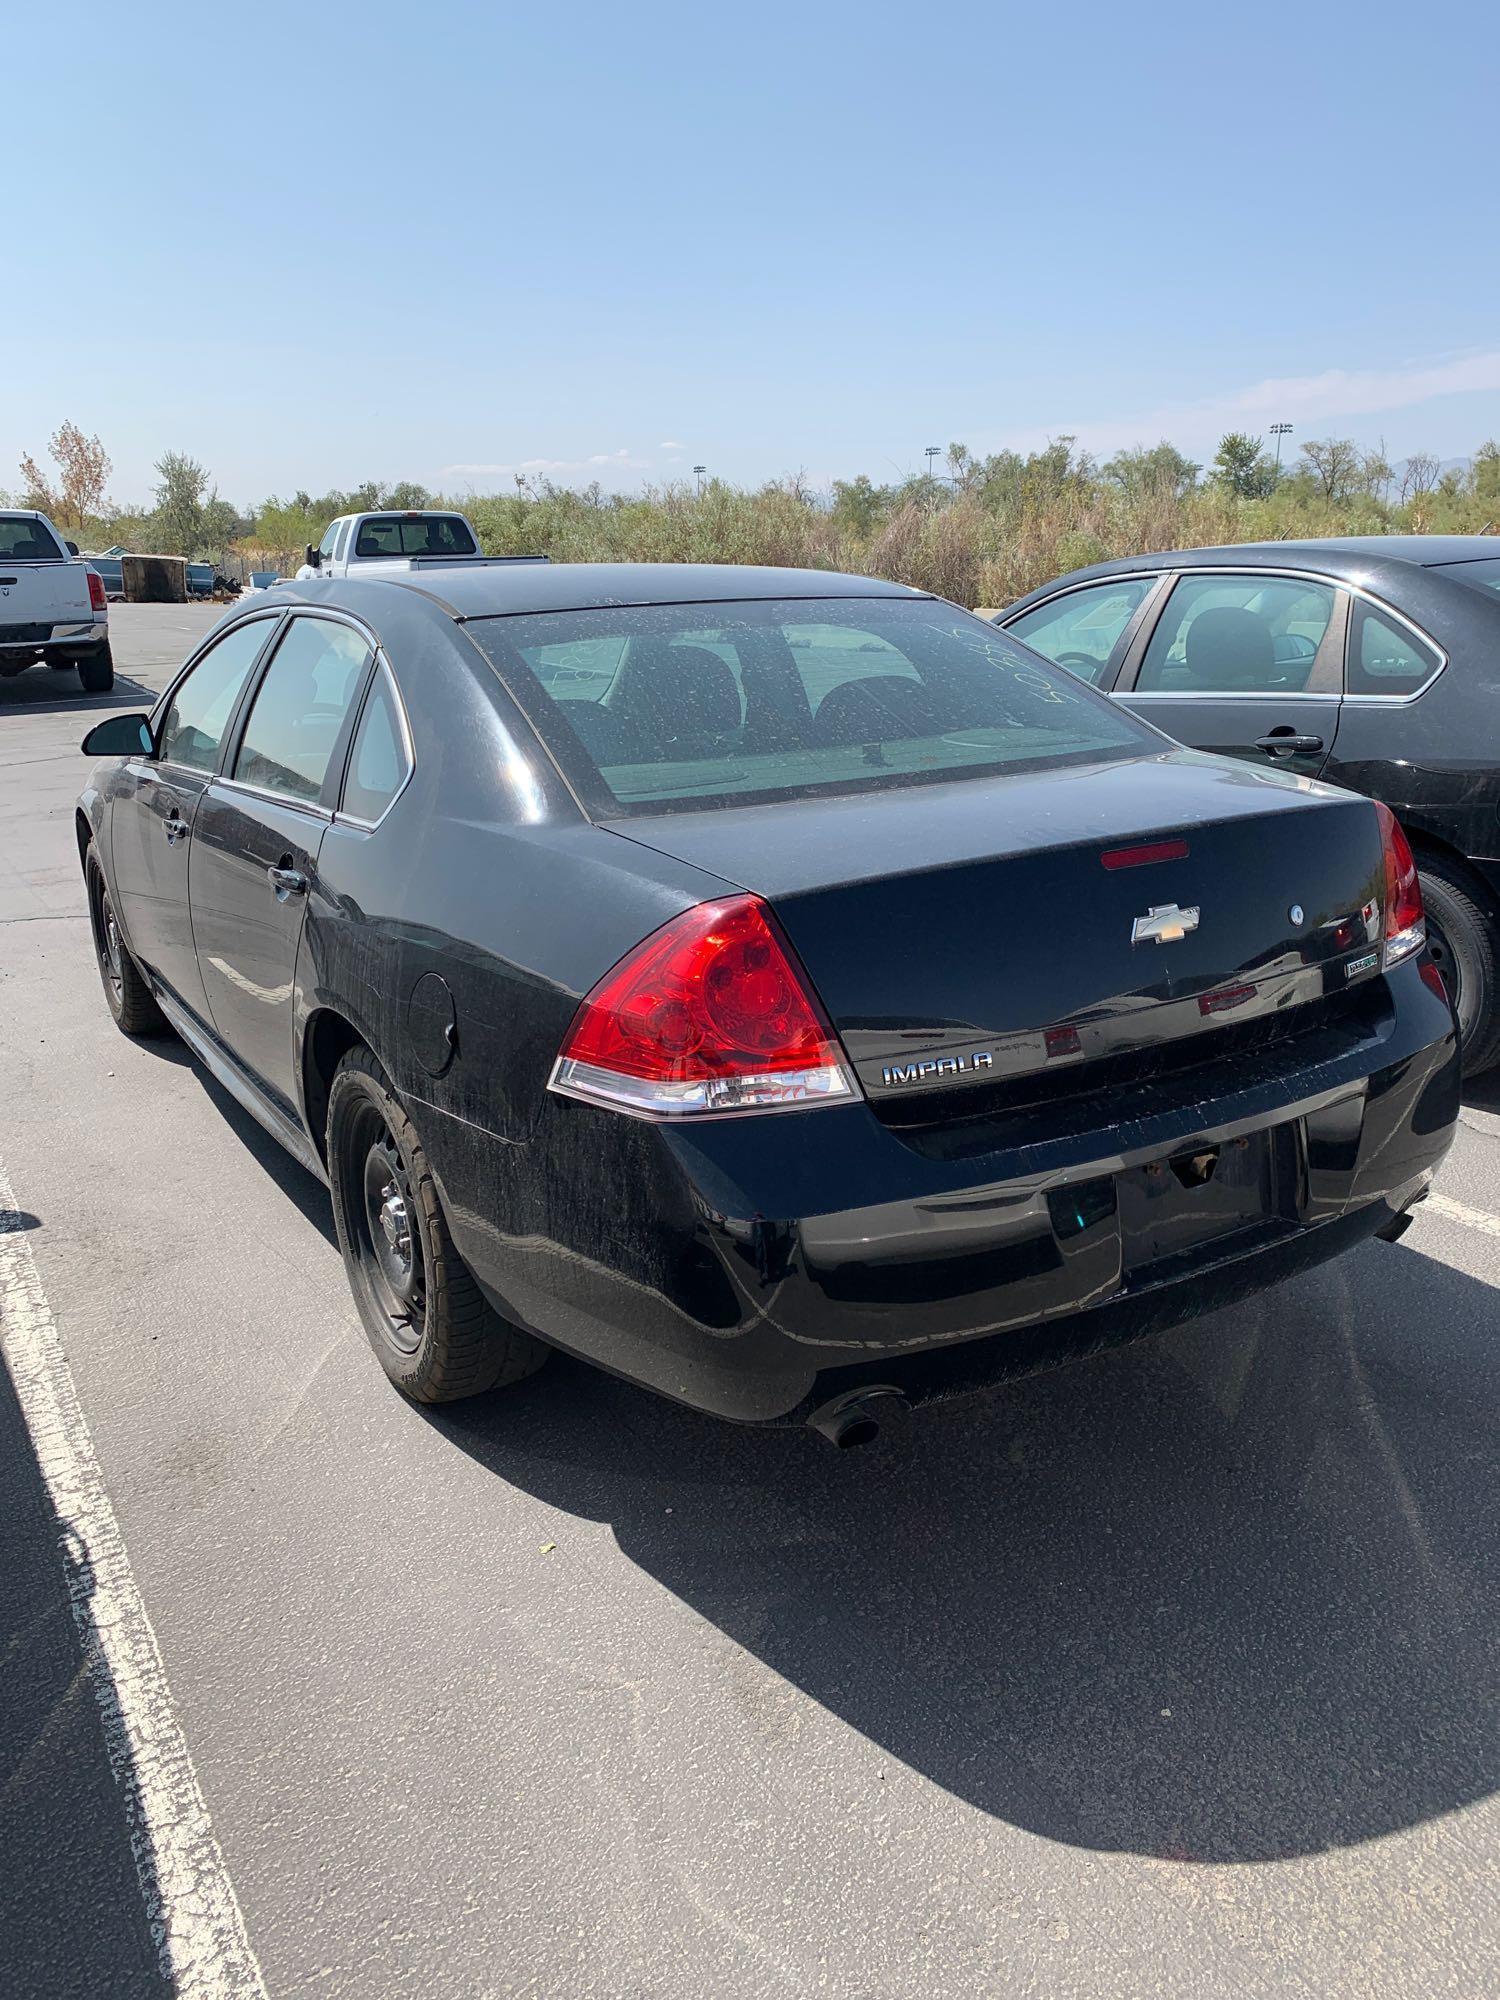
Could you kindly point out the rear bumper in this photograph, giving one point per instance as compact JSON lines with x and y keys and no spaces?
{"x":754,"y":1267}
{"x":73,"y":635}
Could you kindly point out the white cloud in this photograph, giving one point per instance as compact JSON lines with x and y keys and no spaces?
{"x":1308,"y":401}
{"x":598,"y":465}
{"x":671,"y":444}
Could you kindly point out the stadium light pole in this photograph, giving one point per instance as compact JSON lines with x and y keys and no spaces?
{"x":933,"y":451}
{"x":698,"y":472}
{"x":1279,"y":431}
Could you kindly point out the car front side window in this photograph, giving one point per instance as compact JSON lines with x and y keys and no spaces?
{"x":1081,"y":629}
{"x":200,"y":709}
{"x":300,"y":707}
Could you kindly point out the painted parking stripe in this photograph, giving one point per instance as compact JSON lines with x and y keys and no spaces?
{"x":1460,"y":1211}
{"x":191,"y":1907}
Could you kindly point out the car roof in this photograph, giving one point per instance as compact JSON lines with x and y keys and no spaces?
{"x":501,"y":589}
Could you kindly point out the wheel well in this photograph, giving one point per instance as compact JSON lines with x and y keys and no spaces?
{"x":1426,"y":848}
{"x":85,"y":834}
{"x":326,"y":1040}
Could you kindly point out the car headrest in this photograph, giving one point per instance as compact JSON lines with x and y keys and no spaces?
{"x":877,"y":708}
{"x":1227,"y":647}
{"x":673,"y":691}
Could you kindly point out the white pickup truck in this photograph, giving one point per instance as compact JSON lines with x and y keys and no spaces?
{"x":391,"y":539}
{"x":52,"y":605}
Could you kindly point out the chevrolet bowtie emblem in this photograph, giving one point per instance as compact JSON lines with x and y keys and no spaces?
{"x":1163,"y":923}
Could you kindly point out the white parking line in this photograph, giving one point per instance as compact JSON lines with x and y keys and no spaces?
{"x":194,"y":1917}
{"x":1460,"y":1211}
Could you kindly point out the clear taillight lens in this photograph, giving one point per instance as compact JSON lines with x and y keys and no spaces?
{"x":1405,"y":925}
{"x":710,"y":1013}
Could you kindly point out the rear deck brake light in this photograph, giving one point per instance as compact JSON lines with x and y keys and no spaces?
{"x":1405,"y":924}
{"x":709,"y":1014}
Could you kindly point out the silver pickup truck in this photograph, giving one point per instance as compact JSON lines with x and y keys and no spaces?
{"x":52,"y":605}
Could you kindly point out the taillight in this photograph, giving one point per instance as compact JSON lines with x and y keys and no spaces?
{"x":97,"y":599}
{"x":710,"y":1013}
{"x":1405,"y":925}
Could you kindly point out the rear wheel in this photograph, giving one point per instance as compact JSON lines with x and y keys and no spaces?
{"x":432,"y":1329}
{"x":96,"y":670}
{"x":1462,"y":941}
{"x":126,"y":993}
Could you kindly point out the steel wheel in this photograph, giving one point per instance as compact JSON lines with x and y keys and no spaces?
{"x":389,"y":1241}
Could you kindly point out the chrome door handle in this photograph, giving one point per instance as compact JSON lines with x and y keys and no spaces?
{"x":175,"y":828}
{"x":1288,"y":740}
{"x":287,"y":882}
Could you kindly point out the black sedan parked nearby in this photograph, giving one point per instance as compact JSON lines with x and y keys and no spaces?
{"x":1373,"y":663}
{"x":781,"y":988}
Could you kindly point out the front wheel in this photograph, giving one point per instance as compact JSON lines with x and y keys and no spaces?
{"x":96,"y":670}
{"x":432,"y":1329}
{"x":1463,"y":946}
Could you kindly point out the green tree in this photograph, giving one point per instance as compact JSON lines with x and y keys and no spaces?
{"x":1486,"y":471}
{"x":859,"y":506}
{"x":1336,"y":466}
{"x":177,"y":524}
{"x":1159,"y":468}
{"x":1242,"y":466}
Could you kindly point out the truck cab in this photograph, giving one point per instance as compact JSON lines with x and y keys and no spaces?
{"x":391,"y":538}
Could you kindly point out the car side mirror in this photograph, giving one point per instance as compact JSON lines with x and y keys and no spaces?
{"x":314,"y":557}
{"x":120,"y":736}
{"x":71,"y":547}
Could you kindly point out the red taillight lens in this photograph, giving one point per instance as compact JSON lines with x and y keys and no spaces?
{"x":710,"y":1013}
{"x":1405,"y":926}
{"x":97,"y":598}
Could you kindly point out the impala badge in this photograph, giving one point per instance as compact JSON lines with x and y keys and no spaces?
{"x":1163,"y":923}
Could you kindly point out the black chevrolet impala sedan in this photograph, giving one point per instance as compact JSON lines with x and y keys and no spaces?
{"x":1372,"y":661}
{"x":781,"y":988}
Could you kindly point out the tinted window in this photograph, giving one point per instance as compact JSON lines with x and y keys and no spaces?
{"x":27,"y":541}
{"x":1384,"y":657}
{"x":1482,"y":575}
{"x":1079,"y":629}
{"x":378,"y":761}
{"x":299,"y":708}
{"x":439,"y":535}
{"x":776,"y":700}
{"x":1237,"y":635}
{"x":202,"y":705}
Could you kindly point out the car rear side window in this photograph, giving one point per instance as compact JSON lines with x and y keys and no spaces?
{"x":1080,"y":629}
{"x":1237,"y":635}
{"x":300,"y":707}
{"x":379,"y":761}
{"x":691,"y":706}
{"x":434,"y":535}
{"x":1386,"y":657}
{"x":200,"y":709}
{"x":27,"y":541}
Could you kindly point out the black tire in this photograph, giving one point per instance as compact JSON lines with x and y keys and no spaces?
{"x":96,"y":670}
{"x":1461,"y":937}
{"x":126,"y":993}
{"x":432,"y":1329}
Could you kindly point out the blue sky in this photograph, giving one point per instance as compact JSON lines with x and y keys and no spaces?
{"x":312,"y":246}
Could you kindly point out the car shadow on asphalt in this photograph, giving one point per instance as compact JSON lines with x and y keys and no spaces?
{"x":1227,"y":1595}
{"x":73,"y":1894}
{"x":40,"y":691}
{"x":1482,"y":1093}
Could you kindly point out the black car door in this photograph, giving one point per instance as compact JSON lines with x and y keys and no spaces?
{"x":154,"y":805}
{"x":1247,"y":663}
{"x":256,"y":838}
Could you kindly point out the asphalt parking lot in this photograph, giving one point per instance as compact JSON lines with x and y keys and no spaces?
{"x":1172,"y":1673}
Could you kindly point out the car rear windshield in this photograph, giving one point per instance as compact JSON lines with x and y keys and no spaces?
{"x":1482,"y":575}
{"x":439,"y":535}
{"x":664,"y":707}
{"x":27,"y":541}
